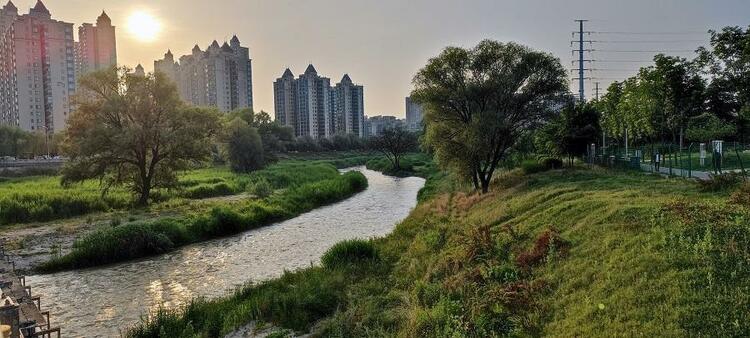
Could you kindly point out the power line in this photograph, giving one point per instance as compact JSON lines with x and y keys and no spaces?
{"x":652,"y":33}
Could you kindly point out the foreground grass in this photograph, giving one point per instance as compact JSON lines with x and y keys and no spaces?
{"x":140,"y":239}
{"x":562,"y":253}
{"x":31,"y":199}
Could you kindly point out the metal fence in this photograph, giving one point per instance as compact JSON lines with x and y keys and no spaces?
{"x":698,"y":160}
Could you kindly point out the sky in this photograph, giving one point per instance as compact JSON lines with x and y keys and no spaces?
{"x":381,"y":44}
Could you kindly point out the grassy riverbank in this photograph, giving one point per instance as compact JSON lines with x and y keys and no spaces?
{"x":140,"y":239}
{"x":560,"y":253}
{"x":33,"y":199}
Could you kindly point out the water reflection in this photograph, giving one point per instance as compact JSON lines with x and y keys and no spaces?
{"x":100,"y":302}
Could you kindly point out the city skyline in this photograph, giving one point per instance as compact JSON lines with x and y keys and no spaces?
{"x":376,"y":47}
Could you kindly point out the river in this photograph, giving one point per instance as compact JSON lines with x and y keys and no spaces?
{"x":104,"y":301}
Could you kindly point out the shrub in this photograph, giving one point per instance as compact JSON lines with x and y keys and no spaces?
{"x":532,"y":167}
{"x":547,"y":241}
{"x":552,"y":163}
{"x":349,"y":253}
{"x":262,"y":188}
{"x":722,"y":182}
{"x":741,"y":196}
{"x":209,"y":190}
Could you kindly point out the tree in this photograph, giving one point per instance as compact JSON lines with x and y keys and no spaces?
{"x":133,"y":130}
{"x":244,"y":147}
{"x":571,"y":132}
{"x":13,"y":140}
{"x":480,"y":102}
{"x":275,"y":138}
{"x":727,"y":65}
{"x":394,"y":143}
{"x":683,"y":93}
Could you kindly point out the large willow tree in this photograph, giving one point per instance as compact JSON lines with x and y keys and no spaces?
{"x":134,"y":131}
{"x":481,"y":102}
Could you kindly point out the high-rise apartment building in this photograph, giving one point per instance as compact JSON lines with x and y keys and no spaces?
{"x":220,"y":76}
{"x":348,"y":108}
{"x":313,"y":108}
{"x":414,"y":115}
{"x":96,"y":48}
{"x":37,"y":69}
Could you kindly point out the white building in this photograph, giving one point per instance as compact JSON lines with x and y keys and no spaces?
{"x":219,"y":77}
{"x":96,"y":48}
{"x":313,"y":108}
{"x":414,"y":115}
{"x":37,"y":69}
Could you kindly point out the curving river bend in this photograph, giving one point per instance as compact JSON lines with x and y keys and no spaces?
{"x":102,"y":302}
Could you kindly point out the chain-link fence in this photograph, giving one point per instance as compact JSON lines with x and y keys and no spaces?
{"x":697,"y":160}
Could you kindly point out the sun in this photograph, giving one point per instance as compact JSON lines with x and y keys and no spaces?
{"x":143,"y":26}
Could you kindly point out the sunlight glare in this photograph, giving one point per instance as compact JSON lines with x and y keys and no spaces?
{"x":143,"y":26}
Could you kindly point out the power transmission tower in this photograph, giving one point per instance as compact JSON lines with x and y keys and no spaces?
{"x":581,"y":58}
{"x":596,"y":90}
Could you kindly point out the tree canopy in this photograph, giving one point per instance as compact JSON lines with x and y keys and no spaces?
{"x":394,"y":143}
{"x":480,"y":102}
{"x":133,"y":130}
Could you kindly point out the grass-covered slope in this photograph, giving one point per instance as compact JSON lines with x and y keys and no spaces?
{"x":564,"y":253}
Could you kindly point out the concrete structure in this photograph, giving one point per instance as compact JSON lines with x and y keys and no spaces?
{"x":375,"y":125}
{"x":19,"y":309}
{"x":37,"y":69}
{"x":313,"y":108}
{"x":219,"y":77}
{"x":96,"y":48}
{"x":348,"y":111}
{"x":414,"y":115}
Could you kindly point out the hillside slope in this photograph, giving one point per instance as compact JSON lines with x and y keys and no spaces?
{"x":562,"y":253}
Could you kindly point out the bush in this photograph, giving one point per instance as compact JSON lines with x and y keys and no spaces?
{"x":722,"y":182}
{"x":348,"y":253}
{"x":552,"y":163}
{"x":262,"y":188}
{"x":532,"y":167}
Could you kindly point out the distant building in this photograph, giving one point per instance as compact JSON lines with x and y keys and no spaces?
{"x":37,"y":69}
{"x":219,"y":77}
{"x":96,"y":48}
{"x":139,"y":71}
{"x":374,"y":126}
{"x":313,"y":108}
{"x":348,"y":108}
{"x":414,"y":115}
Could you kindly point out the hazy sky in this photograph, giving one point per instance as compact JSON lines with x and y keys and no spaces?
{"x":382,"y":43}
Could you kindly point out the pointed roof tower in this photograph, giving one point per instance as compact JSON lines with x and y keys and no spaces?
{"x":139,"y":71}
{"x":103,"y":19}
{"x":225,"y":47}
{"x":214,"y":44}
{"x":40,"y":10}
{"x":196,"y":49}
{"x":287,"y":73}
{"x":10,"y":7}
{"x":311,"y":70}
{"x":346,"y":79}
{"x":235,"y":40}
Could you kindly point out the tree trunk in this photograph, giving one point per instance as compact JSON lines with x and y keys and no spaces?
{"x":475,"y":179}
{"x":143,"y":199}
{"x":485,"y":184}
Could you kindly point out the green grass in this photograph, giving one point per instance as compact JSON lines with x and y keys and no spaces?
{"x":31,"y":199}
{"x":140,"y":239}
{"x":559,"y":253}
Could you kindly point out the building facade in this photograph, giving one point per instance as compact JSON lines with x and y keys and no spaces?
{"x":414,"y":115}
{"x":96,"y":48}
{"x":314,"y":108}
{"x":348,"y":111}
{"x":220,"y":76}
{"x":374,"y":126}
{"x":37,"y":69}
